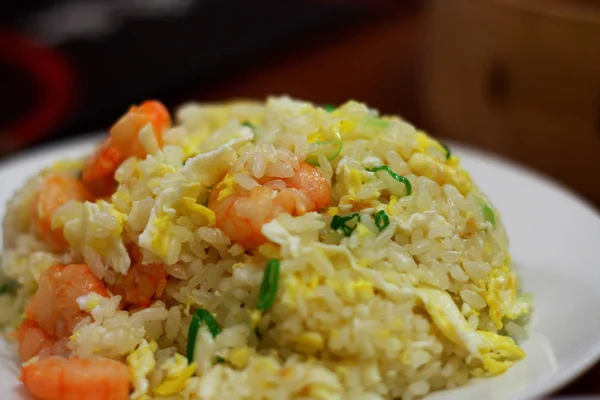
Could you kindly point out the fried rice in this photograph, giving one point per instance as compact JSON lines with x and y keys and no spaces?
{"x":401,"y":285}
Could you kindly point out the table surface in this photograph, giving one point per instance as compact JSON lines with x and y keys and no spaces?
{"x":382,"y":53}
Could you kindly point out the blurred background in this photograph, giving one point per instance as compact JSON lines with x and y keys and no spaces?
{"x":520,"y":78}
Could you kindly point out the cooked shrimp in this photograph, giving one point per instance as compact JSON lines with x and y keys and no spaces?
{"x":242,"y":213}
{"x":241,"y":216}
{"x":32,"y":340}
{"x":52,"y":313}
{"x":142,"y":283}
{"x":59,"y":378}
{"x":309,"y":181}
{"x":55,"y":191}
{"x":123,"y":142}
{"x":124,"y":133}
{"x":98,"y":173}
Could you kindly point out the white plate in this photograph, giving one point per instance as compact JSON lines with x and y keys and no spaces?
{"x":555,"y":239}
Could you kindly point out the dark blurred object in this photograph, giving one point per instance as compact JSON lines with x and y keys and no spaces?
{"x":374,"y":61}
{"x":521,"y":78}
{"x":69,"y":66}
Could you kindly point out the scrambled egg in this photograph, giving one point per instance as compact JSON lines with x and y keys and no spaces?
{"x":89,"y":301}
{"x":162,"y":235}
{"x":240,"y":357}
{"x":363,"y":231}
{"x":269,"y":250}
{"x":357,"y":291}
{"x":178,"y":372}
{"x":68,"y":165}
{"x":211,"y":218}
{"x":391,"y":208}
{"x":254,"y":317}
{"x":158,"y":235}
{"x":352,"y":180}
{"x":207,"y":168}
{"x":331,"y":211}
{"x":448,"y":319}
{"x":496,"y":352}
{"x":310,"y":342}
{"x":501,"y":296}
{"x":439,"y":169}
{"x":426,"y":142}
{"x":141,"y":363}
{"x":290,"y":244}
{"x":225,"y":187}
{"x":293,"y":286}
{"x":354,"y":291}
{"x":316,"y":137}
{"x":338,"y":130}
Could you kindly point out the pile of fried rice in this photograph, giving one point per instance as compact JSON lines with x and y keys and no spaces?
{"x":402,"y":285}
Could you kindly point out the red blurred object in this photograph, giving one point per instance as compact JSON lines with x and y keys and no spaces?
{"x":54,"y":89}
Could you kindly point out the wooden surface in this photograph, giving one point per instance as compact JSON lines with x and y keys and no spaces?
{"x":377,"y":62}
{"x":528,"y":78}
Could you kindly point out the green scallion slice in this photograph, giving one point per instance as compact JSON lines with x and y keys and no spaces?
{"x":376,"y":122}
{"x":448,"y":152}
{"x":201,"y":315}
{"x":394,"y":175}
{"x":248,"y":124}
{"x":220,"y":360}
{"x":488,"y":213}
{"x":381,"y":220}
{"x":9,"y":286}
{"x":329,"y":107}
{"x":269,"y":285}
{"x":341,"y":223}
{"x":333,"y":148}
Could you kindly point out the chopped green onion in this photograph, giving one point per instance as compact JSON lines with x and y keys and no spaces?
{"x":394,"y":175}
{"x":201,"y":315}
{"x":488,"y":213}
{"x":342,"y":223}
{"x":448,"y":152}
{"x":329,"y":107}
{"x":220,"y":360}
{"x":335,"y":151}
{"x":248,"y":124}
{"x":376,"y":122}
{"x":269,"y":285}
{"x":381,"y":220}
{"x":8,"y":287}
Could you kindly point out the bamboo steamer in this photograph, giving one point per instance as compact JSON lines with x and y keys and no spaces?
{"x":521,"y":78}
